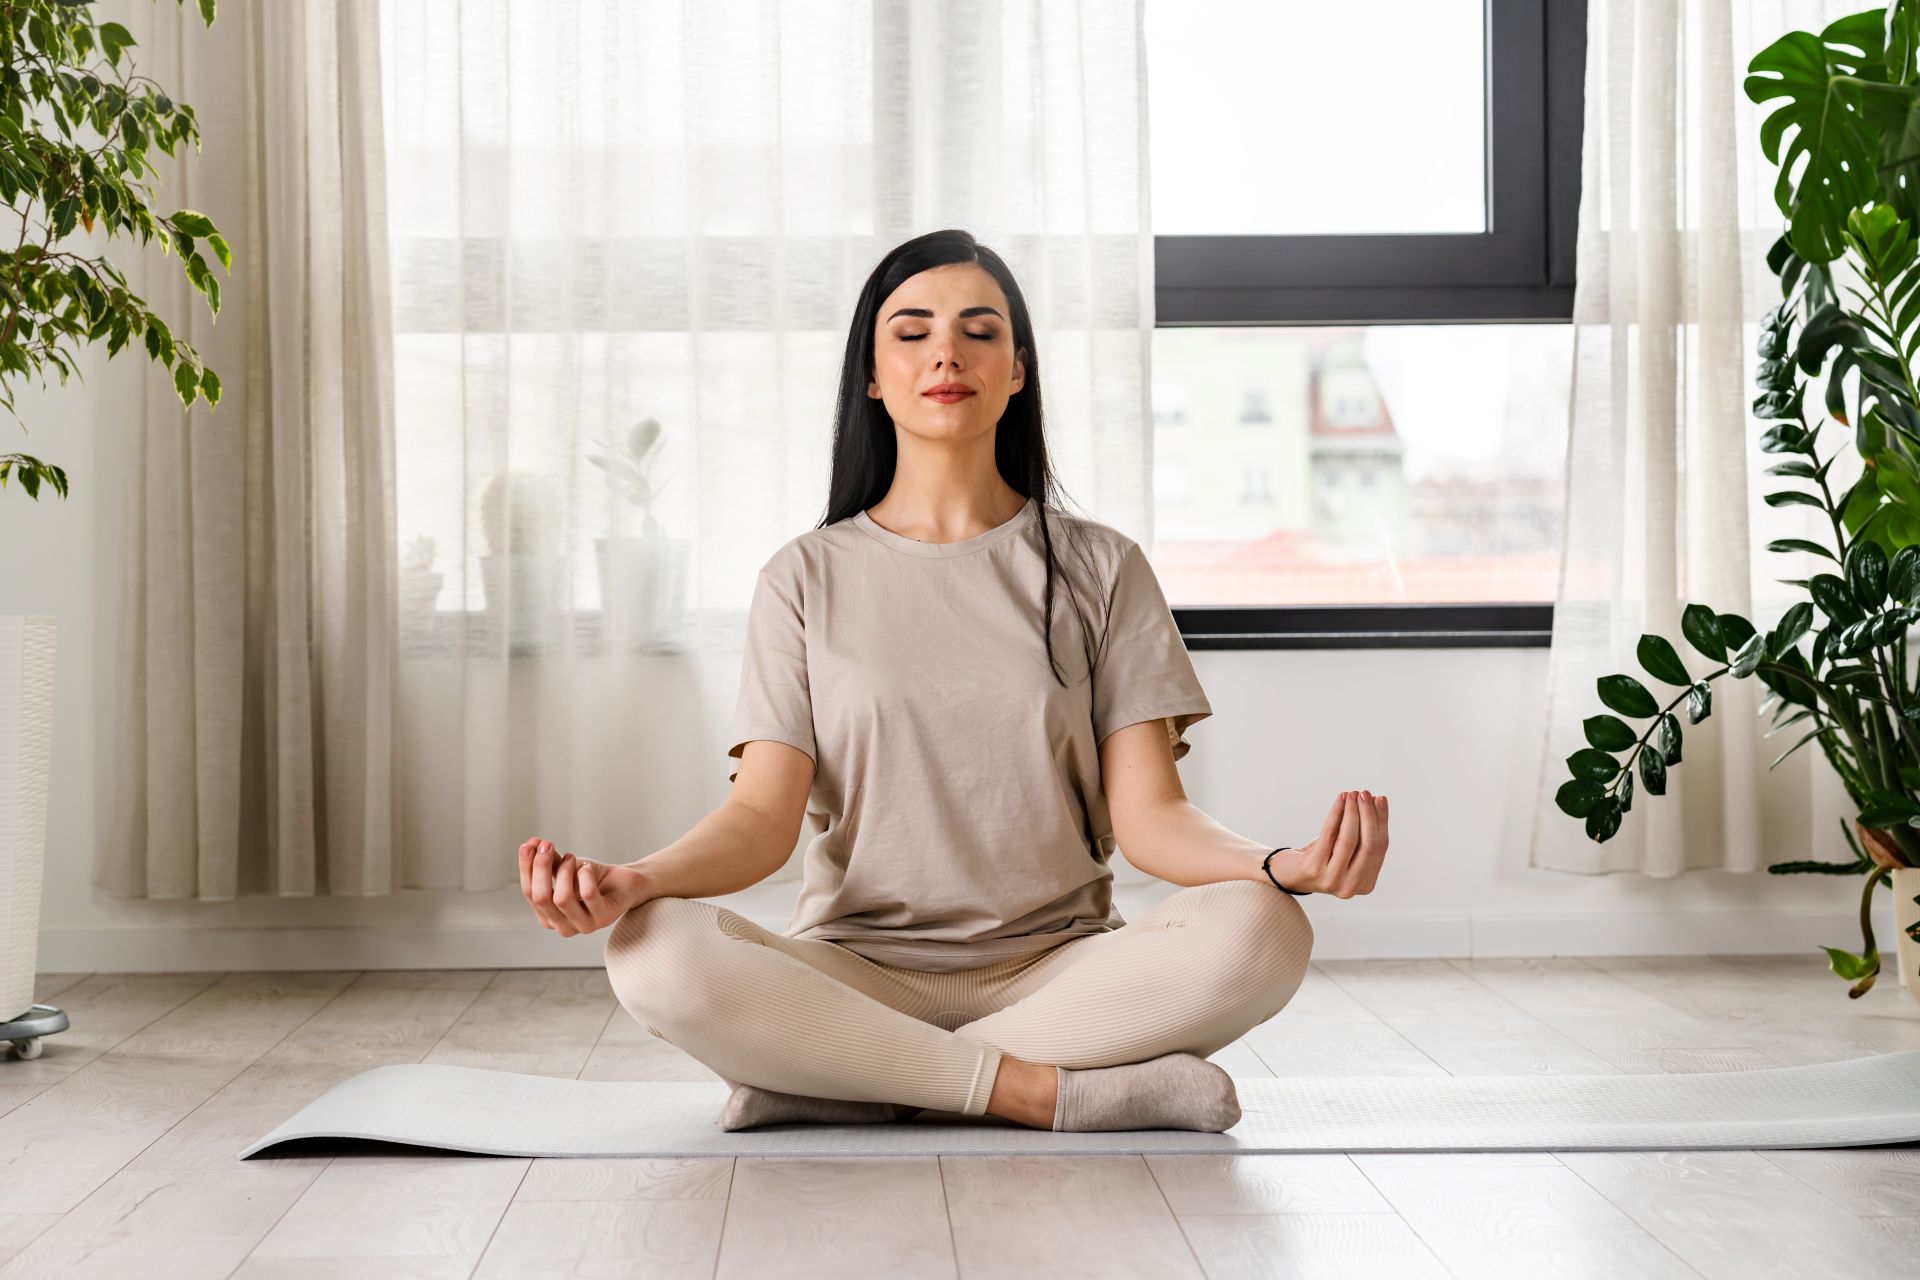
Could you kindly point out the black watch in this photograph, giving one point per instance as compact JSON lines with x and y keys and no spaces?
{"x":1266,"y":867}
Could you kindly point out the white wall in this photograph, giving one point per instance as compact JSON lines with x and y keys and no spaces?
{"x":1452,"y":737}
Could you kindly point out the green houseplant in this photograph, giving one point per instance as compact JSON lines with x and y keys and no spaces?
{"x":77,"y":127}
{"x":1847,"y":143}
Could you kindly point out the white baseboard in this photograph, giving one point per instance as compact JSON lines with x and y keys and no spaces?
{"x":1355,"y":934}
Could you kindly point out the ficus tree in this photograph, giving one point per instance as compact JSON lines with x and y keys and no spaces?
{"x":78,"y":130}
{"x":1846,"y":141}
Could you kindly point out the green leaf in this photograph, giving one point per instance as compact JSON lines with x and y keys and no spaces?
{"x":1793,"y":624}
{"x":1848,"y":965}
{"x":1866,"y":569}
{"x":1609,"y":733}
{"x":114,"y":38}
{"x":1603,"y":819}
{"x":1657,"y":655}
{"x":192,"y":222}
{"x":210,"y":386}
{"x":218,"y":244}
{"x":185,"y":382}
{"x":1793,"y":498}
{"x":1748,"y":659}
{"x":1702,"y":630}
{"x":1800,"y":544}
{"x":1666,"y":738}
{"x":1592,"y":764}
{"x":1816,"y":74}
{"x":1626,"y":695}
{"x":1699,"y":703}
{"x":1577,"y":797}
{"x":1653,"y":773}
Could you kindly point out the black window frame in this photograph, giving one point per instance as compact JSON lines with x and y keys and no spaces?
{"x":1520,"y":270}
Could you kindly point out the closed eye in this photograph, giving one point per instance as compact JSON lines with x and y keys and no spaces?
{"x":915,"y":337}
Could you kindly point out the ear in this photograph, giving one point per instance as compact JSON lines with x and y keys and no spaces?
{"x":1020,"y":369}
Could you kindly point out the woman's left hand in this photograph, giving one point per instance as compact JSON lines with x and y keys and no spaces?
{"x":1345,"y":858}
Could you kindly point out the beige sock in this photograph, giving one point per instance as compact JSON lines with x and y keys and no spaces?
{"x":1173,"y":1091}
{"x":749,"y":1105}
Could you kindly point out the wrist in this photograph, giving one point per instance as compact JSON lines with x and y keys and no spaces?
{"x":1274,"y":876}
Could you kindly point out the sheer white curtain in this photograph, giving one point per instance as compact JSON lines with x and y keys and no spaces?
{"x":627,"y":239}
{"x":247,"y":555}
{"x":1664,"y":469}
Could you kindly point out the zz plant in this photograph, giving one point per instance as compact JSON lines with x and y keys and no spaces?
{"x":1850,"y":126}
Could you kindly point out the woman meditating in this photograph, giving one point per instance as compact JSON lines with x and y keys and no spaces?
{"x":973,"y":697}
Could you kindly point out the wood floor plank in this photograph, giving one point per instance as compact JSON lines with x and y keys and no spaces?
{"x":1309,"y":1246}
{"x":533,"y":1021}
{"x":1024,"y":1216}
{"x":1594,"y":1009}
{"x":1792,"y":1026}
{"x":1311,"y":1182}
{"x":157,"y":1223}
{"x":1522,"y":1222}
{"x":1323,"y":1031}
{"x":1459,"y":1023}
{"x":805,"y":1217}
{"x":1865,"y":1181}
{"x":1735,"y":1214}
{"x":658,"y":1239}
{"x":397,"y":1206}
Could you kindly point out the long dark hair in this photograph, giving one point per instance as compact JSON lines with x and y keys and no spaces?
{"x":864,"y":449}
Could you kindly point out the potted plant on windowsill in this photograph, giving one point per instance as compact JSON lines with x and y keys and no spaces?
{"x":523,"y":576}
{"x":642,"y":578}
{"x":1850,"y":282}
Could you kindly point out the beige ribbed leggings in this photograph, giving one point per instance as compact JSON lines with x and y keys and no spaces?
{"x":808,"y":1016}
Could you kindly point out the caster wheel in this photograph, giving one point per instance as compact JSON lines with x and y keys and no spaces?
{"x":28,"y":1049}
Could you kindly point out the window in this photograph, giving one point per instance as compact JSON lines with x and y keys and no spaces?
{"x":1407,"y":359}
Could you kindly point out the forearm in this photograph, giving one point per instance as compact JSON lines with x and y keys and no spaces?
{"x":734,"y":847}
{"x":1179,"y":843}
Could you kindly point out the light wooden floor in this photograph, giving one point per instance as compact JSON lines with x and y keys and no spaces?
{"x":117,"y":1145}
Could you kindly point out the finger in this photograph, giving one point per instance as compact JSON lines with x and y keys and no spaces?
{"x":566,"y":884}
{"x":526,"y":867}
{"x":578,"y":911}
{"x":1341,"y":854}
{"x":1366,"y":856}
{"x":601,"y":905}
{"x":542,"y":881}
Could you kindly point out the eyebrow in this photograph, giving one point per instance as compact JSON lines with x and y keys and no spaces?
{"x":925,"y":314}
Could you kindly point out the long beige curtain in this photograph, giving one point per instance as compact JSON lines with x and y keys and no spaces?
{"x":248,"y":727}
{"x":1665,"y":475}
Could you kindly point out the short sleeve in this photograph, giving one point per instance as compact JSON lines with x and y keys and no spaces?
{"x":1143,"y":671}
{"x":775,"y":700}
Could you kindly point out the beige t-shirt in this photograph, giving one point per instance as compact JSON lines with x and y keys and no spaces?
{"x":956,"y":809}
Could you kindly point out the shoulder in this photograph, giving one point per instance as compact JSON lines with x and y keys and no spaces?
{"x":1107,"y":548}
{"x":806,"y":555}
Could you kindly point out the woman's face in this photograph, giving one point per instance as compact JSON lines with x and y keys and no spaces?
{"x":946,"y":325}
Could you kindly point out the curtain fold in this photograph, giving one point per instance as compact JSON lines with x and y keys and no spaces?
{"x":627,"y":241}
{"x":251,"y":553}
{"x":1664,"y":469}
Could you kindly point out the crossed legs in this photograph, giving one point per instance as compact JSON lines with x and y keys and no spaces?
{"x":805,"y":1016}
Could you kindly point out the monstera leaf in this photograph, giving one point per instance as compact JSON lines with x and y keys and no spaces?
{"x":1824,"y":79}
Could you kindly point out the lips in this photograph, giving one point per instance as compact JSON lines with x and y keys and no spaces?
{"x":947,"y":393}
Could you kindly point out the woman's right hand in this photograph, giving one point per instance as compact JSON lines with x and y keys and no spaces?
{"x":573,"y":895}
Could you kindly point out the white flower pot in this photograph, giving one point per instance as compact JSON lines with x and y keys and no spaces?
{"x":525,"y":594}
{"x":643,"y":588}
{"x":26,"y":739}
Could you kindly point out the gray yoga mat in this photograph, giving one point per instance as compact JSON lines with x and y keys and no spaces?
{"x":1855,"y":1102}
